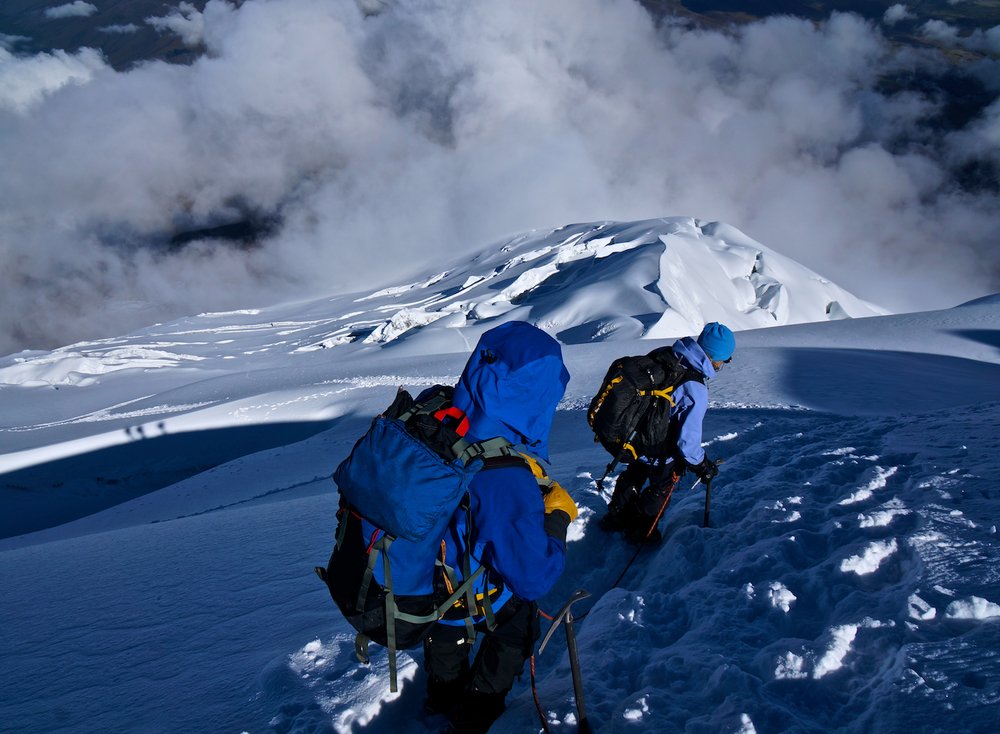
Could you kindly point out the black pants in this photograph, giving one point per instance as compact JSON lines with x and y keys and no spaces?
{"x":473,"y":696}
{"x":635,"y":505}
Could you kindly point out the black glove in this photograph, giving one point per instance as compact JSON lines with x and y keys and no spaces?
{"x":706,"y":470}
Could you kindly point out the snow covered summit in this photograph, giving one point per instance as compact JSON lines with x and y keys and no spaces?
{"x":652,"y":279}
{"x":655,"y":278}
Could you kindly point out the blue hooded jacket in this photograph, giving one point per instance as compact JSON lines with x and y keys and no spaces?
{"x":691,"y":400}
{"x":512,"y":384}
{"x":510,"y":387}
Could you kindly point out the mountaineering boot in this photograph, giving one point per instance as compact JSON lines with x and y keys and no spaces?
{"x":614,"y":522}
{"x":622,"y":508}
{"x":477,"y":711}
{"x":640,"y":532}
{"x":648,"y":509}
{"x":444,"y":697}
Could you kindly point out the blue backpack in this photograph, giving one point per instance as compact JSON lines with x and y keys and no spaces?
{"x":399,"y":488}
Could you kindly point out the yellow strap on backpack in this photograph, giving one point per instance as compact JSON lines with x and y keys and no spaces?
{"x":664,"y":393}
{"x":538,"y":472}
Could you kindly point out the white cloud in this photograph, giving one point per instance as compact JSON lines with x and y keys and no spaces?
{"x":896,"y":13}
{"x":25,"y":81}
{"x":980,"y":140}
{"x":387,"y":141}
{"x":992,"y":39}
{"x":75,"y":9}
{"x":938,"y":30}
{"x":123,"y":28}
{"x":185,"y":21}
{"x":985,"y":41}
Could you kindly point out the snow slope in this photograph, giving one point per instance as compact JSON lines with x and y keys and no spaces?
{"x":848,"y":581}
{"x":218,"y":372}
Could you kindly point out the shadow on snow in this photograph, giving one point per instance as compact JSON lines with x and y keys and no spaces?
{"x":56,"y":492}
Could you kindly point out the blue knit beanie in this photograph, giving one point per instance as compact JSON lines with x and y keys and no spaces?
{"x":718,"y":341}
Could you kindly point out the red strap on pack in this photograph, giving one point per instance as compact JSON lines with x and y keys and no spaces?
{"x":458,"y":414}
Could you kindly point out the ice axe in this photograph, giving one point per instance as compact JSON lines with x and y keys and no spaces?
{"x":565,"y":614}
{"x":708,"y":495}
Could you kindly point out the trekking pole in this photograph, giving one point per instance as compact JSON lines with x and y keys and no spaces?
{"x":566,"y":615}
{"x":708,"y":498}
{"x":708,"y":495}
{"x":615,"y":460}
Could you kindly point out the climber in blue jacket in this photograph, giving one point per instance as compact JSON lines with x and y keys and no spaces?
{"x":510,"y":388}
{"x":635,"y":505}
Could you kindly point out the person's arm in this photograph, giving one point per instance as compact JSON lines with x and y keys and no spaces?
{"x":515,"y":532}
{"x":692,"y":400}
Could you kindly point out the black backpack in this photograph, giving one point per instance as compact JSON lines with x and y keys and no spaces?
{"x":630,"y":414}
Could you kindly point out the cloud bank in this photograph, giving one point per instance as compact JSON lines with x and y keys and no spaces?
{"x":380,"y":144}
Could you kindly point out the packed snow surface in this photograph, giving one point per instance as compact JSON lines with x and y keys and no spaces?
{"x":167,"y":494}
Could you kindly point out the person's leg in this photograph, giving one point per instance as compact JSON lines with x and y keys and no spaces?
{"x":498,"y":662}
{"x":650,"y":505}
{"x":446,"y":660}
{"x":622,"y":507}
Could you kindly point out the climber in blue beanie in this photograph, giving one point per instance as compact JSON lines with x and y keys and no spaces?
{"x":634,"y":506}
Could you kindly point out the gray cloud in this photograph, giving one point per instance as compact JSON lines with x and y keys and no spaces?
{"x":75,"y":9}
{"x":896,"y":13}
{"x":184,"y":21}
{"x":385,"y":142}
{"x":120,"y":28}
{"x":8,"y":43}
{"x":940,"y":31}
{"x":987,"y":41}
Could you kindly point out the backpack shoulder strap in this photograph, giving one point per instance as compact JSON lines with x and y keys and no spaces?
{"x":438,"y":404}
{"x":509,"y":457}
{"x":545,"y":482}
{"x":431,"y":404}
{"x":489,"y":451}
{"x":692,"y":375}
{"x":678,"y":371}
